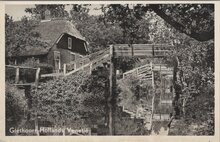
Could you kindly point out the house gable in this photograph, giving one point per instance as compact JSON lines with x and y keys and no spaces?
{"x":78,"y":46}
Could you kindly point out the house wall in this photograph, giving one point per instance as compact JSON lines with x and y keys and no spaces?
{"x":66,"y":56}
{"x":78,"y":46}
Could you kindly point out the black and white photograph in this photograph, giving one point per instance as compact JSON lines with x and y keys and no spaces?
{"x":110,"y":69}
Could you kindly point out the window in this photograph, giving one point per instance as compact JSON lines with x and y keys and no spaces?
{"x":69,"y":43}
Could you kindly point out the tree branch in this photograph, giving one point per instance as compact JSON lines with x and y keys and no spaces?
{"x":202,"y":36}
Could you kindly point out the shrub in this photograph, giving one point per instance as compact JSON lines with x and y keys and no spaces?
{"x":15,"y":105}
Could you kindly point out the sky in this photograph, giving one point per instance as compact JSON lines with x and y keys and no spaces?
{"x":18,"y":11}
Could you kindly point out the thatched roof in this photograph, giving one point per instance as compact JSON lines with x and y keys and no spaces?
{"x":34,"y":51}
{"x":50,"y":32}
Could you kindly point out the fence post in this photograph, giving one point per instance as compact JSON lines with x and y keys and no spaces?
{"x":111,"y":97}
{"x":75,"y":66}
{"x":37,"y":76}
{"x":152,"y":111}
{"x":17,"y":75}
{"x":137,"y":71}
{"x":90,"y":69}
{"x":64,"y":69}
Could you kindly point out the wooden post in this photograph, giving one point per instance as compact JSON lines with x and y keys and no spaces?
{"x":64,"y":69}
{"x":27,"y":91}
{"x":36,"y":117}
{"x":75,"y":66}
{"x":175,"y":98}
{"x":17,"y":75}
{"x":90,"y":68}
{"x":111,"y":98}
{"x":36,"y":126}
{"x":152,"y":111}
{"x":37,"y":76}
{"x":161,"y":91}
{"x":137,"y":71}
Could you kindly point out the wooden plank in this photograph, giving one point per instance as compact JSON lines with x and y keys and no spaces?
{"x":143,"y":54}
{"x":166,"y":73}
{"x":134,"y":48}
{"x":162,"y":51}
{"x":117,"y":54}
{"x":23,"y":67}
{"x":134,"y":51}
{"x":144,"y":68}
{"x":52,"y":75}
{"x":144,"y":47}
{"x":129,"y":54}
{"x":164,"y":69}
{"x":146,"y":71}
{"x":24,"y":84}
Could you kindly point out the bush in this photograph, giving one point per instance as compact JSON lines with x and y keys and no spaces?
{"x":15,"y":105}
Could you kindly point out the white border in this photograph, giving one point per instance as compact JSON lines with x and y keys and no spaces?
{"x":214,"y":138}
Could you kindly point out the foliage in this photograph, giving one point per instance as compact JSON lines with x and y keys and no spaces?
{"x":200,"y":110}
{"x":15,"y":105}
{"x":59,"y":100}
{"x":128,"y":20}
{"x":195,"y":20}
{"x":72,"y":98}
{"x":134,"y":93}
{"x":19,"y":36}
{"x":57,"y":10}
{"x":89,"y":26}
{"x":196,"y":73}
{"x":96,"y":91}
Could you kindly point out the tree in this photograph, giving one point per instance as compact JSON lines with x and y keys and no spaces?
{"x":19,"y":36}
{"x":57,"y":10}
{"x":90,"y":25}
{"x":129,"y":21}
{"x":195,"y":20}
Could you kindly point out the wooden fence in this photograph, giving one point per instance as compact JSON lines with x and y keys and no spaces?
{"x":21,"y":75}
{"x":144,"y":72}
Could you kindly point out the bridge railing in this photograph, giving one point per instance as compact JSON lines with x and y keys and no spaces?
{"x":88,"y":65}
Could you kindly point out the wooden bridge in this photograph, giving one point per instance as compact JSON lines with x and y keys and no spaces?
{"x":107,"y":55}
